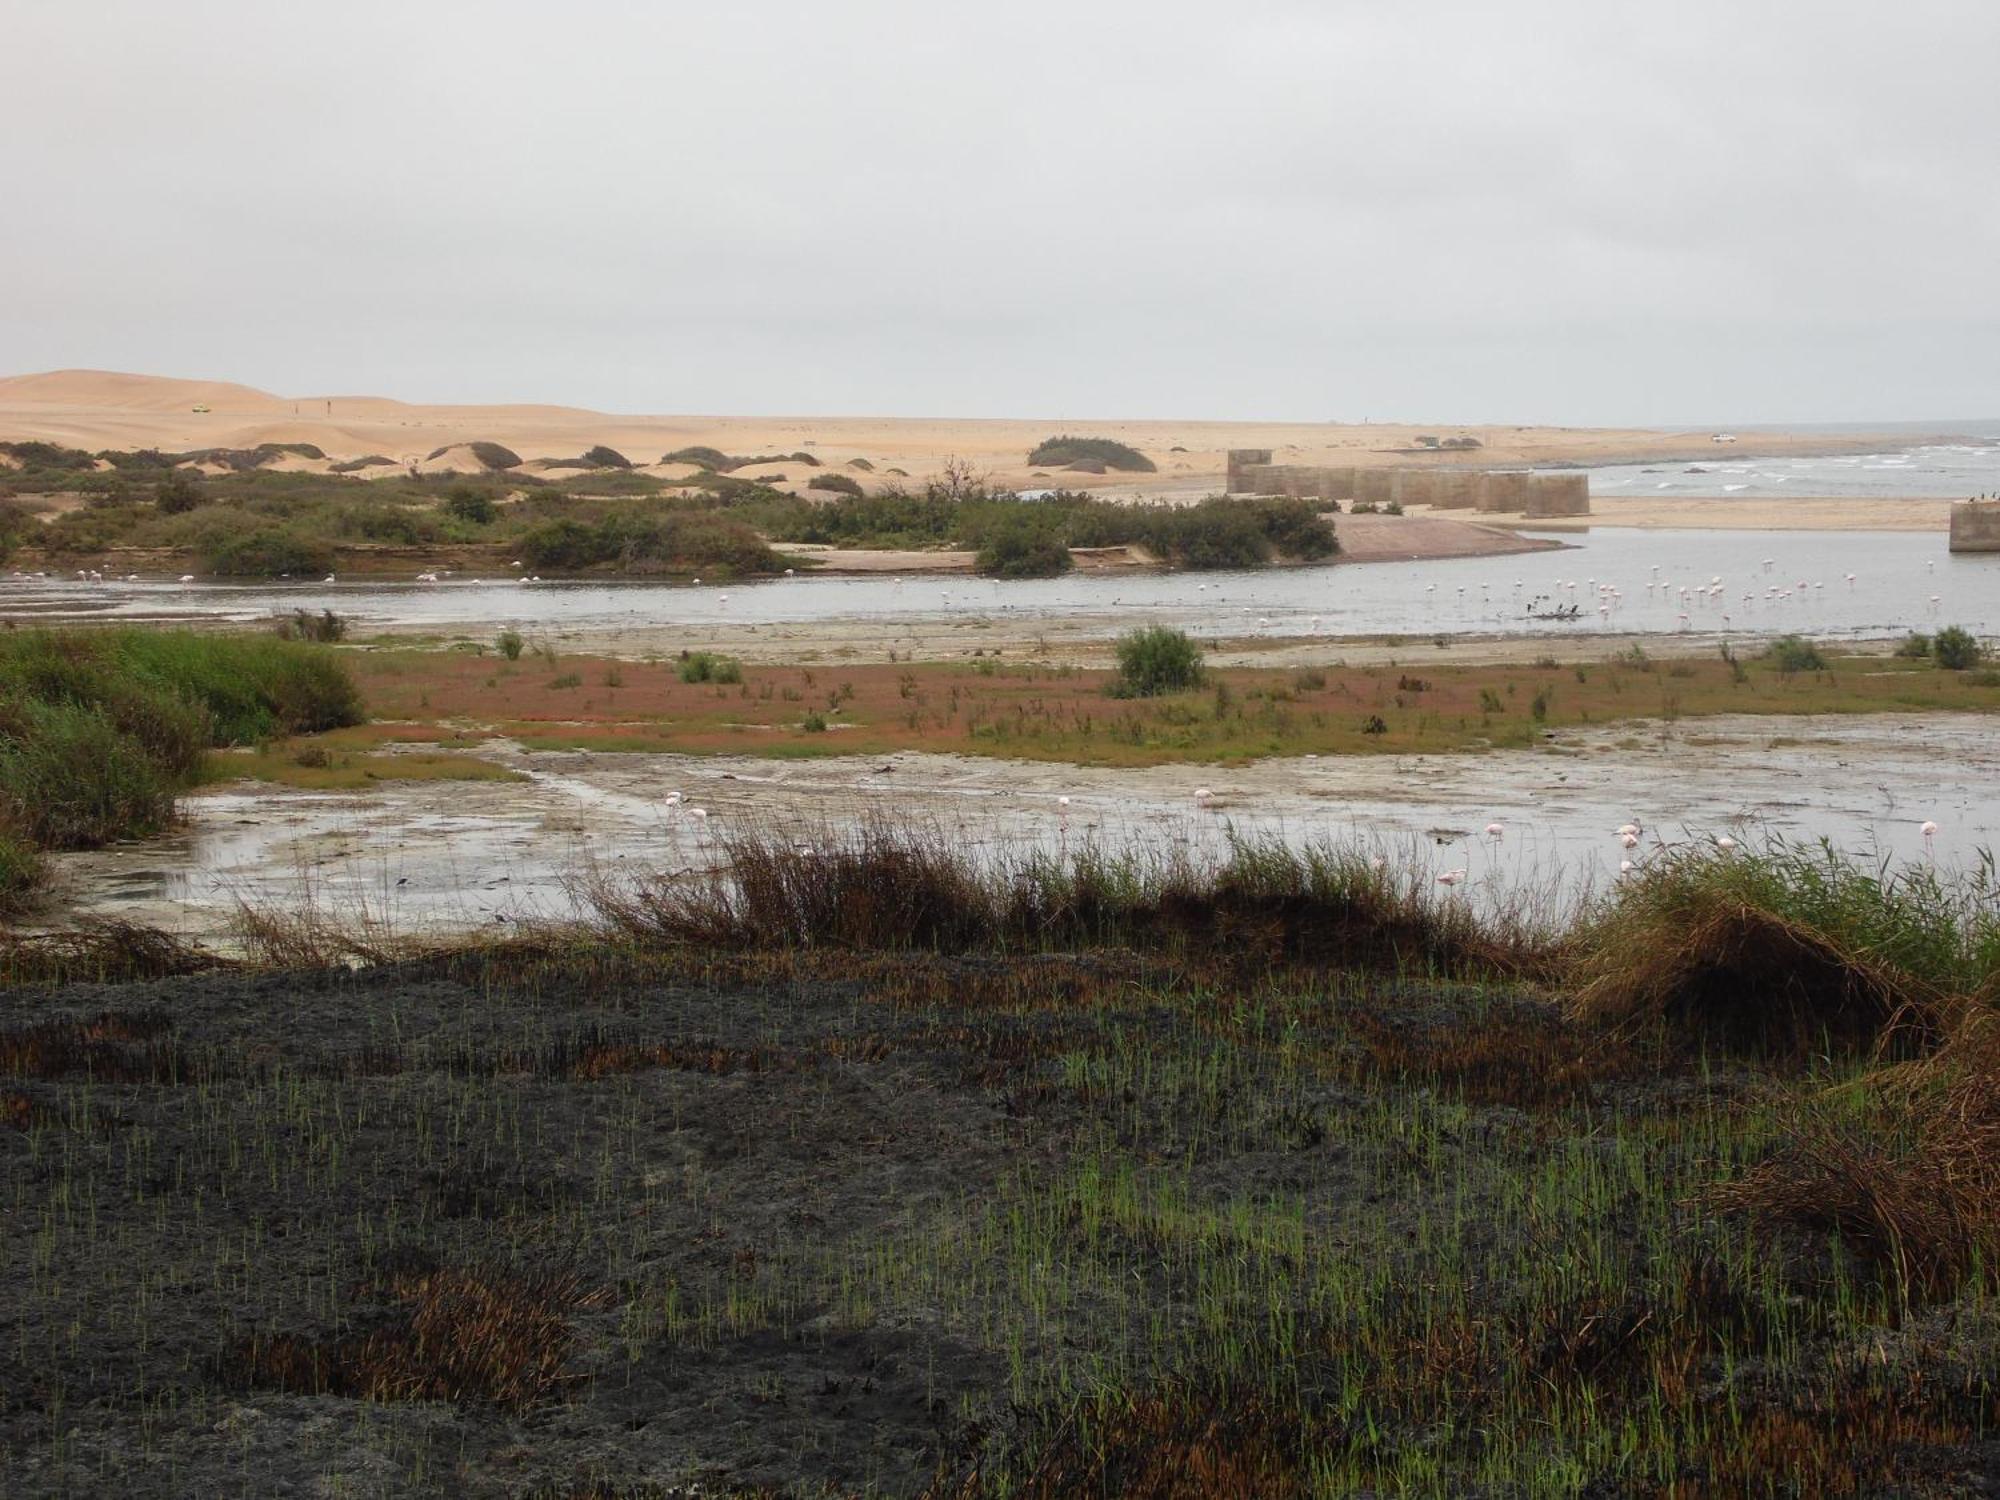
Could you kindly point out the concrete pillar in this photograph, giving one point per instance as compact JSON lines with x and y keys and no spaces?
{"x":1502,"y":490}
{"x":1241,"y":459}
{"x":1558,"y":495}
{"x":1975,"y":526}
{"x":1415,"y":487}
{"x":1456,"y":489}
{"x":1374,"y":486}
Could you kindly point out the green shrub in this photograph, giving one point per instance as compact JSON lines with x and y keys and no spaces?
{"x":1916,"y":646}
{"x":1156,"y":659}
{"x":1020,"y":548}
{"x":22,"y":868}
{"x":813,"y":723}
{"x":1956,"y":649}
{"x":707,"y":458}
{"x":839,"y":484}
{"x":652,"y":540}
{"x":1791,"y":653}
{"x":492,"y":455}
{"x":466,"y":504}
{"x":1295,"y":527}
{"x":263,"y":552}
{"x":601,"y":457}
{"x":510,"y":644}
{"x":177,"y":494}
{"x":704,"y":666}
{"x":565,"y":543}
{"x":303,"y":625}
{"x":99,"y":730}
{"x":71,"y":780}
{"x":1059,"y":451}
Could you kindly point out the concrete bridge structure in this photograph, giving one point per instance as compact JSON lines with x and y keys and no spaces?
{"x":1522,"y":492}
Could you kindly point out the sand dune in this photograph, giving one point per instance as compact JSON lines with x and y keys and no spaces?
{"x":111,"y":389}
{"x":98,"y":409}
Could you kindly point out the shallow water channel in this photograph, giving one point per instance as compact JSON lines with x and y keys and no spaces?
{"x":418,"y":855}
{"x":1620,"y":580}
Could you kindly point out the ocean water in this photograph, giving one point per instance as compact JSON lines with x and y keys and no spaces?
{"x":1932,"y":471}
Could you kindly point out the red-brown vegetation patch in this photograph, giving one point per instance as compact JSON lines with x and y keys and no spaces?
{"x":465,"y":1335}
{"x":1524,"y":1056}
{"x":114,"y":1047}
{"x":989,"y":705}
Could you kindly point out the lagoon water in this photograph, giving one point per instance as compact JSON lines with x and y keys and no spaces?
{"x":1622,"y":580}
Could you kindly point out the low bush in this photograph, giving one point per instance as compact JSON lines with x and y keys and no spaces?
{"x":100,"y":730}
{"x":1156,"y":659}
{"x":1791,"y":653}
{"x":325,"y":627}
{"x":471,"y":506}
{"x":1916,"y":646}
{"x":707,"y":458}
{"x":652,"y":540}
{"x":1903,"y":1166}
{"x":1956,"y":649}
{"x":492,"y":455}
{"x":1064,"y":451}
{"x":838,"y":484}
{"x":177,"y":494}
{"x":704,"y":666}
{"x":1018,"y":548}
{"x":235,"y":551}
{"x":22,"y":869}
{"x":510,"y":644}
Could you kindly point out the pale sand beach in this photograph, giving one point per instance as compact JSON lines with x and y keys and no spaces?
{"x":1731,"y":513}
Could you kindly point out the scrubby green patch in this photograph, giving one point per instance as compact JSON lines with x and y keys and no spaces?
{"x":1153,"y":660}
{"x":1022,"y":546}
{"x":1957,"y":649}
{"x":707,"y":666}
{"x":1059,"y":452}
{"x":321,"y":768}
{"x":100,"y":730}
{"x":1215,"y":533}
{"x":655,"y":541}
{"x":836,"y":484}
{"x":254,"y":522}
{"x":1791,"y":653}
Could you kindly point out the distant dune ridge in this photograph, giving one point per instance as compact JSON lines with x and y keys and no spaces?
{"x":100,"y":410}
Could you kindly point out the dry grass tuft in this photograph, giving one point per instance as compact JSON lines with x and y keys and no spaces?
{"x":888,"y":889}
{"x":1749,"y":982}
{"x":1787,"y":955}
{"x":1903,"y":1166}
{"x":1174,"y":1443}
{"x":101,"y":953}
{"x":461,"y":1335}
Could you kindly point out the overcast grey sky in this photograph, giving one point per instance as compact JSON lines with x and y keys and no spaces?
{"x":1586,"y":211}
